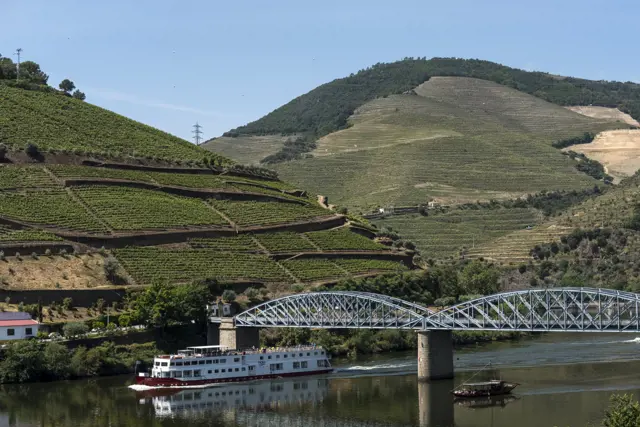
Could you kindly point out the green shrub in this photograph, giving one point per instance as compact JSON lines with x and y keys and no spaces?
{"x":71,"y":330}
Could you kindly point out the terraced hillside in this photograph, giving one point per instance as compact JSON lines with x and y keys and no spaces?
{"x":170,"y":226}
{"x":457,"y":232}
{"x":613,"y":210}
{"x":455,"y":140}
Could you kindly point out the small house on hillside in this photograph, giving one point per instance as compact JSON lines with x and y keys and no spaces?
{"x":17,"y":326}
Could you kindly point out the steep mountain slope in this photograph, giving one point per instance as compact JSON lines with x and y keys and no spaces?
{"x":455,"y":140}
{"x":55,"y":122}
{"x":91,"y":183}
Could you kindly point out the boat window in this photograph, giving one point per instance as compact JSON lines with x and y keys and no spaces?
{"x":196,"y":373}
{"x":285,"y":356}
{"x":304,"y":364}
{"x":244,"y":369}
{"x":296,"y":365}
{"x":261,"y":357}
{"x":301,"y":354}
{"x":209,"y":371}
{"x":320,"y":363}
{"x":268,"y":357}
{"x":215,"y":360}
{"x":164,"y":364}
{"x":202,"y":362}
{"x":277,"y":356}
{"x":308,"y":354}
{"x":216,"y":371}
{"x":157,"y":363}
{"x":236,"y":359}
{"x":223,"y":360}
{"x":187,"y":373}
{"x":209,"y":361}
{"x":252,"y":368}
{"x":187,"y":363}
{"x":224,"y":370}
{"x":315,"y":353}
{"x":172,"y":364}
{"x":237,"y":369}
{"x":293,"y":355}
{"x":178,"y":363}
{"x":177,"y":374}
{"x":322,"y":352}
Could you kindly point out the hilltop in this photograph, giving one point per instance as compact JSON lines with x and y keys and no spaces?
{"x":90,"y":200}
{"x":445,"y":129}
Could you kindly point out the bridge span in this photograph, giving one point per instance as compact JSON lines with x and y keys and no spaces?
{"x":531,"y":310}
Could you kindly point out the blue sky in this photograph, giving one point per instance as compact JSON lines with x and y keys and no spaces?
{"x":225,"y":63}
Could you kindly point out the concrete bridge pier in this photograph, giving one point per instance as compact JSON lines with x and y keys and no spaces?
{"x":435,"y":355}
{"x":238,"y":338}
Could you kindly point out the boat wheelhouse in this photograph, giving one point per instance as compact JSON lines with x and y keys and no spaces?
{"x":213,"y":364}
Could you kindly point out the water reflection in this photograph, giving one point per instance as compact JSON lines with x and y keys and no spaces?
{"x":257,"y":396}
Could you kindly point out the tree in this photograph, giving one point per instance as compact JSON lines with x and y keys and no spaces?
{"x":31,"y":72}
{"x":67,"y":303}
{"x":71,"y":330}
{"x":67,"y":85}
{"x":79,"y":95}
{"x":623,"y":412}
{"x":56,"y":361}
{"x":32,"y":150}
{"x":229,"y":296}
{"x":478,"y":278}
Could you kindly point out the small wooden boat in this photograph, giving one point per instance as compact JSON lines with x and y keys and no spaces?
{"x":486,"y":388}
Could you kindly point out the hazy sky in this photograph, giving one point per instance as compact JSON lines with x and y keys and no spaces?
{"x":225,"y":63}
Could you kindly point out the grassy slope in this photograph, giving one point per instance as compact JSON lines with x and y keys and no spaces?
{"x":53,"y":121}
{"x":460,"y":139}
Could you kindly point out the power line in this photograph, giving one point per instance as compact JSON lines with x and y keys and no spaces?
{"x":18,"y":51}
{"x":197,"y":133}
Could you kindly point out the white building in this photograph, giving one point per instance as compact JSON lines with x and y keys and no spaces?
{"x":17,"y":326}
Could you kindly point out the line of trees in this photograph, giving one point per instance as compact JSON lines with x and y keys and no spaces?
{"x":33,"y":78}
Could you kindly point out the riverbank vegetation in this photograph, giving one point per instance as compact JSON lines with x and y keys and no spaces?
{"x":32,"y":360}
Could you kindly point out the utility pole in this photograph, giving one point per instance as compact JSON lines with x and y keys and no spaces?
{"x":197,"y":133}
{"x":18,"y":51}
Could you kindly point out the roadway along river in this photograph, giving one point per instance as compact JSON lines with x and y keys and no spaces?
{"x":566,"y":380}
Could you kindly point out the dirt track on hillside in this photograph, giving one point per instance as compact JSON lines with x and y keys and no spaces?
{"x":617,"y":150}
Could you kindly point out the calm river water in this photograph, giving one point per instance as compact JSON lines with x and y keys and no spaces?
{"x":566,"y":380}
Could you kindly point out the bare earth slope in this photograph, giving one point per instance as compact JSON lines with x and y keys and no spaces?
{"x":454,"y":139}
{"x":617,"y":150}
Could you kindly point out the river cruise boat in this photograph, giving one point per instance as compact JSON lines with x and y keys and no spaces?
{"x":213,"y":364}
{"x":487,"y":388}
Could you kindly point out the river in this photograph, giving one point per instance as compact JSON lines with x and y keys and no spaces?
{"x":566,"y":380}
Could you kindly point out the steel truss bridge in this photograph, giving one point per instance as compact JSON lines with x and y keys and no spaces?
{"x":544,"y":310}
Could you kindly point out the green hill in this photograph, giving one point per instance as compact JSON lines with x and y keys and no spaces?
{"x":90,"y":199}
{"x":455,"y":140}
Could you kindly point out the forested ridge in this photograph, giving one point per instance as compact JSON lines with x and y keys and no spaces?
{"x":326,"y":108}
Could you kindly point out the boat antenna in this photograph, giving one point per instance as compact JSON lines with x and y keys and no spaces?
{"x":480,"y":370}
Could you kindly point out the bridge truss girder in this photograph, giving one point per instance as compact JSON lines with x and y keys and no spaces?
{"x":336,"y":310}
{"x":544,"y":310}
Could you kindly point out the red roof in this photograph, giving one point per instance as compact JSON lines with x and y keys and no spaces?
{"x":29,"y":322}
